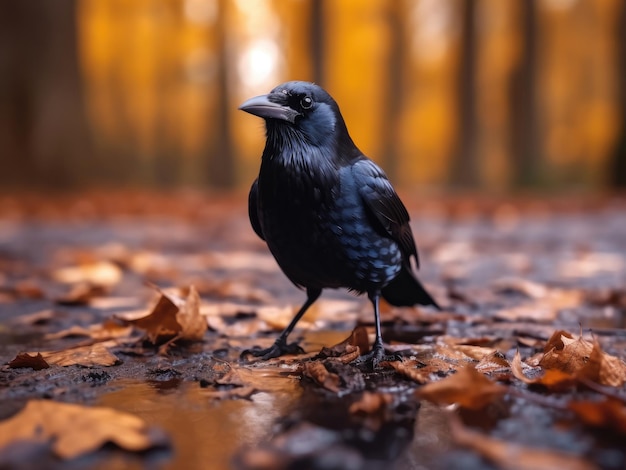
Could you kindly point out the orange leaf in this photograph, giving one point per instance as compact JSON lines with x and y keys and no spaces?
{"x":468,"y":387}
{"x":74,"y":430}
{"x":608,"y":414}
{"x":36,"y":362}
{"x":603,"y":368}
{"x":552,"y":379}
{"x":321,"y":376}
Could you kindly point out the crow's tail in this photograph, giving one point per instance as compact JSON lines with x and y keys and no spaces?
{"x":405,"y":291}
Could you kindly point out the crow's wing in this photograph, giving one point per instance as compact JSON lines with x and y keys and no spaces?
{"x":253,"y":209}
{"x":382,"y":202}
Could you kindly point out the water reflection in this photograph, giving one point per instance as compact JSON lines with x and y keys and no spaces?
{"x":205,"y":433}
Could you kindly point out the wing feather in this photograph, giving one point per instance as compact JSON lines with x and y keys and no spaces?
{"x":253,"y":209}
{"x":384,"y":205}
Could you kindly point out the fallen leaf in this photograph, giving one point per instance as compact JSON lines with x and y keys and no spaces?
{"x":467,"y":387}
{"x":35,"y":362}
{"x":582,"y":359}
{"x":553,"y":379}
{"x":81,"y":294}
{"x":193,"y":325}
{"x":171,"y":318}
{"x":74,"y":430}
{"x":494,"y":362}
{"x":510,"y":456}
{"x":545,"y":304}
{"x":161,"y":322}
{"x":609,"y":414}
{"x":350,"y":348}
{"x":602,"y":368}
{"x":109,"y":329}
{"x":321,"y":376}
{"x":565,"y":353}
{"x":100,"y":273}
{"x":96,"y":354}
{"x":412,"y":369}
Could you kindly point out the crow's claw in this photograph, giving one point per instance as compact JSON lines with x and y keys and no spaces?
{"x":275,"y":350}
{"x":372,"y":359}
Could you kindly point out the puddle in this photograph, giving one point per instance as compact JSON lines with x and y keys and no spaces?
{"x":205,"y":433}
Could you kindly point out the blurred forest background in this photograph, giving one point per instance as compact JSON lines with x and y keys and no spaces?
{"x":489,"y":94}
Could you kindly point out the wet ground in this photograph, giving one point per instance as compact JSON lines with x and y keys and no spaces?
{"x":508,"y":274}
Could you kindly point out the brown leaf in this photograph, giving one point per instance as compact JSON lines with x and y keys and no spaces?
{"x":81,"y":294}
{"x":93,"y":355}
{"x":603,"y":368}
{"x":565,"y":353}
{"x":510,"y":456}
{"x":410,"y":369}
{"x":36,"y":362}
{"x":609,"y":414}
{"x":74,"y":430}
{"x":494,"y":362}
{"x":467,"y":387}
{"x":106,"y":330}
{"x":320,"y":375}
{"x":582,"y":359}
{"x":553,"y":379}
{"x":350,"y":348}
{"x":172,"y":317}
{"x":160,"y":323}
{"x":100,"y":273}
{"x":193,"y":325}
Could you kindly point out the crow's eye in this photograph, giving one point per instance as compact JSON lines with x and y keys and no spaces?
{"x":306,"y":102}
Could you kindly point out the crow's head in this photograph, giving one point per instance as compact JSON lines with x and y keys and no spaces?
{"x":300,"y":107}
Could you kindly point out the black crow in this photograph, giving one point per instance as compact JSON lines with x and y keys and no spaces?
{"x":327,"y":212}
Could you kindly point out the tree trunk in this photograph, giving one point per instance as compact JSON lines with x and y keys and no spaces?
{"x":317,"y":41}
{"x":618,"y":170}
{"x":221,"y":158}
{"x":44,"y":138}
{"x":465,"y":166}
{"x":525,"y":149}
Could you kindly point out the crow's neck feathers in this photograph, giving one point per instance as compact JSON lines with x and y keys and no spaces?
{"x":318,"y":143}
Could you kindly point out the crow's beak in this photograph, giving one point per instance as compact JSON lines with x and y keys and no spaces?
{"x":261,"y":106}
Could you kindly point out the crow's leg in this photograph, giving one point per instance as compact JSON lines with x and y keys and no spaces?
{"x":280,"y":346}
{"x":377,"y":354}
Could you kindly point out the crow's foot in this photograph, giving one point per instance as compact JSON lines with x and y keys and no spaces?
{"x":372,"y":359}
{"x":275,"y":350}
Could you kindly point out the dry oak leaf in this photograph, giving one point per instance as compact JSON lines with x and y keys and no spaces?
{"x":320,"y":375}
{"x":467,"y":387}
{"x":74,"y":430}
{"x":553,"y":379}
{"x":349,"y":349}
{"x":565,"y":353}
{"x":582,"y":359}
{"x":97,"y":354}
{"x":510,"y":456}
{"x":602,"y":368}
{"x":192,"y":324}
{"x":172,"y":317}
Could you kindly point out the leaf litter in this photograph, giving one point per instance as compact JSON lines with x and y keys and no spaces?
{"x":503,"y":336}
